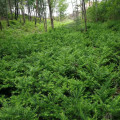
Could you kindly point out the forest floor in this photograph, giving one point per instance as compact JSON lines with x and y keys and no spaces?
{"x":64,"y":74}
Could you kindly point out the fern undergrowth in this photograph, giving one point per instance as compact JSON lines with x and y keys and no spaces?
{"x":64,"y":74}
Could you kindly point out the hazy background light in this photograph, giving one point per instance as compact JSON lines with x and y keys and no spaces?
{"x":70,"y":9}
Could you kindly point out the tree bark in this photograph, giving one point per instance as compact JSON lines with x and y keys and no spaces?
{"x":96,"y":10}
{"x":19,"y":16}
{"x":36,"y":12}
{"x":82,"y":10}
{"x":76,"y":9}
{"x":0,"y":25}
{"x":29,"y":12}
{"x":40,"y":11}
{"x":7,"y":19}
{"x":10,"y":9}
{"x":72,"y":9}
{"x":45,"y":22}
{"x":44,"y":17}
{"x":51,"y":17}
{"x":16,"y":9}
{"x":85,"y":18}
{"x":22,"y":10}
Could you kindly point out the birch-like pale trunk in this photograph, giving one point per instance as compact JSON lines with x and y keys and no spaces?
{"x":22,"y":11}
{"x":51,"y":16}
{"x":96,"y":5}
{"x":85,"y":17}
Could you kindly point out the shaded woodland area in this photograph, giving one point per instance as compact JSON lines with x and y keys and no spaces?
{"x":57,"y":65}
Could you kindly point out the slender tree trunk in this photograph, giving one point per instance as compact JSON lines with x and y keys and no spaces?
{"x":89,"y":3}
{"x":29,"y":12}
{"x":23,"y":15}
{"x":51,"y":17}
{"x":76,"y":9}
{"x":7,"y":19}
{"x":16,"y":9}
{"x":82,"y":10}
{"x":36,"y":12}
{"x":22,"y":10}
{"x":20,"y":16}
{"x":96,"y":10}
{"x":10,"y":9}
{"x":45,"y":22}
{"x":44,"y":17}
{"x":72,"y":9}
{"x":85,"y":18}
{"x":0,"y":25}
{"x":39,"y":18}
{"x":40,"y":11}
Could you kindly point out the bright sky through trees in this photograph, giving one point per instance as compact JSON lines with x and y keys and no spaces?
{"x":69,"y":9}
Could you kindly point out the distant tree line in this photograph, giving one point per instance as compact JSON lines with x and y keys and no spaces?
{"x":104,"y":10}
{"x":37,"y":10}
{"x":97,"y":10}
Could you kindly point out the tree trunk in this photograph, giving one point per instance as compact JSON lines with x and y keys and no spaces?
{"x":72,"y":9}
{"x":16,"y":9}
{"x":10,"y":9}
{"x":22,"y":10}
{"x":19,"y":16}
{"x":7,"y":19}
{"x":39,"y":18}
{"x":29,"y":13}
{"x":40,"y":11}
{"x":89,"y":3}
{"x":96,"y":10}
{"x":0,"y":25}
{"x":76,"y":9}
{"x":36,"y":12}
{"x":85,"y":18}
{"x":23,"y":15}
{"x":44,"y":17}
{"x":82,"y":10}
{"x":45,"y":22}
{"x":50,"y":10}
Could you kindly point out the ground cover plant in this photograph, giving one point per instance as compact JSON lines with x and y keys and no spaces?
{"x":64,"y":74}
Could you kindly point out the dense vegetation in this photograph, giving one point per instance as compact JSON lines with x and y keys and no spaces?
{"x":71,"y":72}
{"x":63,"y":74}
{"x":107,"y":9}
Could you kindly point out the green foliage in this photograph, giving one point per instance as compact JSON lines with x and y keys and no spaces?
{"x":62,"y":6}
{"x":2,"y":8}
{"x":104,"y":10}
{"x":60,"y":75}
